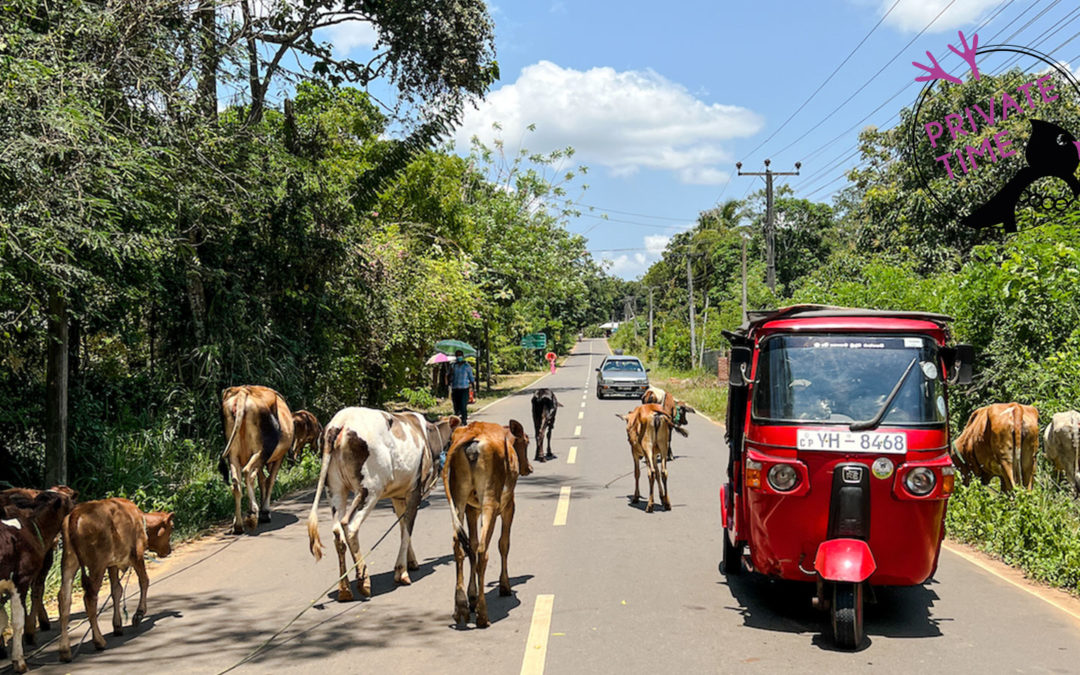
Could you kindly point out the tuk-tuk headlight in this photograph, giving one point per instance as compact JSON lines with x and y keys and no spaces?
{"x":920,"y":481}
{"x":782,"y":477}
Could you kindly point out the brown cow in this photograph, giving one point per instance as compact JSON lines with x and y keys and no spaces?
{"x":1000,"y":440}
{"x":259,"y":429}
{"x":482,"y":467}
{"x":37,"y":589}
{"x":306,"y":431}
{"x":648,"y":430}
{"x":27,"y":530}
{"x":108,"y":534}
{"x":673,"y":408}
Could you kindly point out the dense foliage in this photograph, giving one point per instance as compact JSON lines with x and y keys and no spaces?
{"x":285,"y":239}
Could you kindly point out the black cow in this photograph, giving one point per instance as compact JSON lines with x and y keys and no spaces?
{"x":544,"y":407}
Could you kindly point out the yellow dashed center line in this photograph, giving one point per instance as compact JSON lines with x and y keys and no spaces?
{"x":577,"y":430}
{"x":581,"y":415}
{"x":583,"y":404}
{"x":573,"y":455}
{"x":536,"y":644}
{"x":563,"y":507}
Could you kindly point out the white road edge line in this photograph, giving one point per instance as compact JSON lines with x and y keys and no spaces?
{"x":536,"y":643}
{"x":563,"y":507}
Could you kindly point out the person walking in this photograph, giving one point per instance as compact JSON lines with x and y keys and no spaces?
{"x":461,"y":379}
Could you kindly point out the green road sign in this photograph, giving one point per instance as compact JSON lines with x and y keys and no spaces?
{"x":534,"y":341}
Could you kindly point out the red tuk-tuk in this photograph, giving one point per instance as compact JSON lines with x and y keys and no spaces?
{"x":838,"y":436}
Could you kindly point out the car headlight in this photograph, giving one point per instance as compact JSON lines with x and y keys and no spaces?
{"x":782,"y":477}
{"x":920,"y":481}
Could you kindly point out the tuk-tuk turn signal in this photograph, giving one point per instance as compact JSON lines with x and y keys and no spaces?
{"x":753,"y":474}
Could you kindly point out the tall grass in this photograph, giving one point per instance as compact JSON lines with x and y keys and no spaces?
{"x":1037,"y":530}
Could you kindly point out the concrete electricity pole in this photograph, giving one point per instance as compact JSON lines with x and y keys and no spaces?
{"x":744,"y":236}
{"x":650,"y":317}
{"x":770,"y":222}
{"x":690,"y":285}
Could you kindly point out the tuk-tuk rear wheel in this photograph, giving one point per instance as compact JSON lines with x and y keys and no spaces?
{"x":731,"y":563}
{"x":847,"y":615}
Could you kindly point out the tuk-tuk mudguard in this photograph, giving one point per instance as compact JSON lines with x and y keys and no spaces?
{"x":847,"y":560}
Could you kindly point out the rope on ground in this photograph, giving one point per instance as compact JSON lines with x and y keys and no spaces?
{"x":314,"y":602}
{"x":608,"y":484}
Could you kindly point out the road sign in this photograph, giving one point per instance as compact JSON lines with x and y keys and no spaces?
{"x":534,"y":341}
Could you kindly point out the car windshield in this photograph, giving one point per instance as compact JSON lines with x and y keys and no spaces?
{"x":625,"y":366}
{"x":842,"y":379}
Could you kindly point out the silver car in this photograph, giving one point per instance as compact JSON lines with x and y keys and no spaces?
{"x":621,"y":376}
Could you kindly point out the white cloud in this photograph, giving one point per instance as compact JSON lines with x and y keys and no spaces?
{"x":633,"y":265}
{"x":624,"y":121}
{"x":349,"y":35}
{"x":913,"y":15}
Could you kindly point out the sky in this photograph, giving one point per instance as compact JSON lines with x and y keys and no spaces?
{"x":661,"y":101}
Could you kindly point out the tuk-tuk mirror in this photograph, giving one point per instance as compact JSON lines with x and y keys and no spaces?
{"x":961,"y":366}
{"x":739,"y":366}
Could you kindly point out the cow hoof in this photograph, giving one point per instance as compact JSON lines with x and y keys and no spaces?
{"x":344,"y":595}
{"x":667,"y":507}
{"x":20,"y":666}
{"x":264,"y":516}
{"x":635,"y":500}
{"x":461,"y":616}
{"x":251,"y":522}
{"x":413,"y":565}
{"x":65,"y":655}
{"x":504,"y":590}
{"x":482,"y":621}
{"x":118,"y":630}
{"x":538,"y":459}
{"x":100,"y":646}
{"x":365,"y":588}
{"x":137,"y":619}
{"x":550,"y":456}
{"x":649,"y":508}
{"x":402,"y":578}
{"x":43,"y":624}
{"x":237,"y":528}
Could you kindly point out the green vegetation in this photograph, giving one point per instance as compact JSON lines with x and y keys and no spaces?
{"x":885,"y":243}
{"x":301,"y":234}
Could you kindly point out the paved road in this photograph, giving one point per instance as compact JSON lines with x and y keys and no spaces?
{"x":626,"y":591}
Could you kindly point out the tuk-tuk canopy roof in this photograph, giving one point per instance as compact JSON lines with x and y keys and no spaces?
{"x":757,"y":318}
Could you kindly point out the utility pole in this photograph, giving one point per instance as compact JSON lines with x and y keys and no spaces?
{"x":770,"y":222}
{"x":744,"y":236}
{"x":650,"y":317}
{"x":690,"y":285}
{"x":629,"y":313}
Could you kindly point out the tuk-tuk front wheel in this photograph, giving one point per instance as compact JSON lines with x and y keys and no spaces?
{"x":847,"y":614}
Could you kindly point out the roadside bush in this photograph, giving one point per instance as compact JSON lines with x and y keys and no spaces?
{"x":420,"y":399}
{"x":1037,"y":530}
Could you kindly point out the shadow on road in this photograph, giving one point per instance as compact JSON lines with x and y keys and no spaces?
{"x":498,"y":606}
{"x":779,"y":605}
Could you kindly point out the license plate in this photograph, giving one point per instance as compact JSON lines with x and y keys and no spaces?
{"x":831,"y":440}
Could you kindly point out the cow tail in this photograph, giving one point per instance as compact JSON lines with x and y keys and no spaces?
{"x":314,"y":542}
{"x":238,"y":421}
{"x":459,"y":530}
{"x":1018,"y":444}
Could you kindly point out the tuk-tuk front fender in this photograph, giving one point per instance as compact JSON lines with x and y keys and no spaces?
{"x":848,"y":560}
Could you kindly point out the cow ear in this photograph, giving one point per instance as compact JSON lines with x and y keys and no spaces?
{"x":517,"y":429}
{"x":455,"y":422}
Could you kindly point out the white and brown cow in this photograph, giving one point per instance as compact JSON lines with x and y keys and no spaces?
{"x":259,"y":429}
{"x":1062,"y":444}
{"x":673,"y":408}
{"x":373,"y":455}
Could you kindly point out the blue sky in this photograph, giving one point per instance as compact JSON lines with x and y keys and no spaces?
{"x":660,"y":101}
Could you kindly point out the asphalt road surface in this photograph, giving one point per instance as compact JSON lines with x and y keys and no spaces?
{"x":599,"y":586}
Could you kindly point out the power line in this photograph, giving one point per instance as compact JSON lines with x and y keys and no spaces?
{"x":826,"y":81}
{"x":636,"y":215}
{"x":631,"y":222}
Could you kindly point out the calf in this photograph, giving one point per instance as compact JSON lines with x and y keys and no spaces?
{"x":482,"y":468}
{"x":306,"y":431}
{"x":1000,"y":440}
{"x":27,"y":530}
{"x":36,"y":612}
{"x":673,"y":408}
{"x":109,"y":534}
{"x":259,"y":429}
{"x":374,"y":455}
{"x":648,"y":430}
{"x":544,"y":407}
{"x":1062,"y":443}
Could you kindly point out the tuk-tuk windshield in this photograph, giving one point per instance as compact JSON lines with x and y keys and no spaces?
{"x":842,"y":379}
